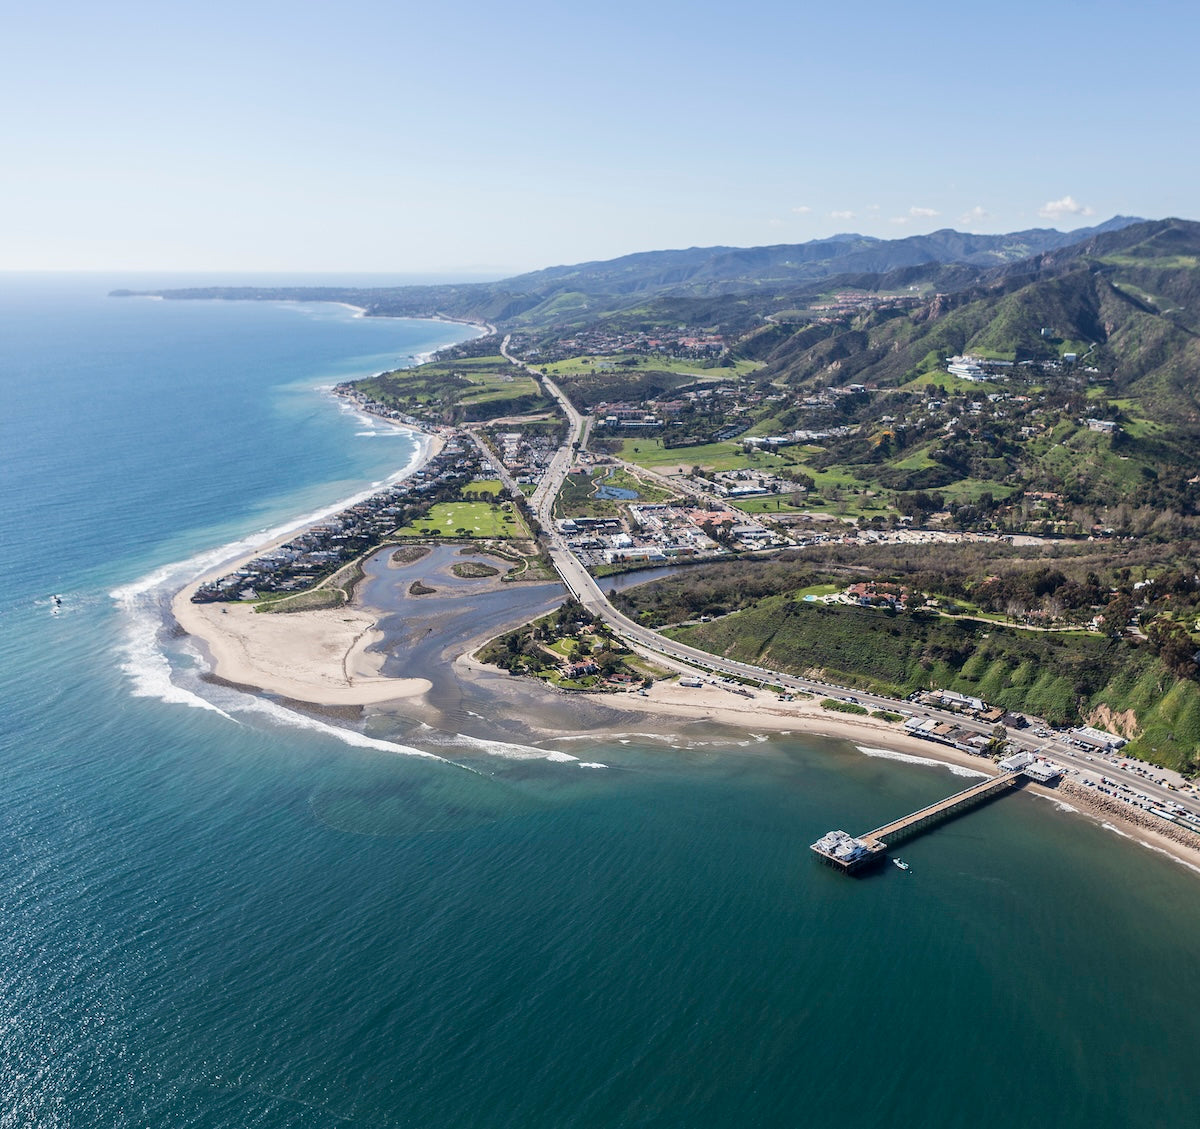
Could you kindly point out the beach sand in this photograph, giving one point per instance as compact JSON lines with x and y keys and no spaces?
{"x":764,"y":713}
{"x":318,"y":657}
{"x":322,"y":658}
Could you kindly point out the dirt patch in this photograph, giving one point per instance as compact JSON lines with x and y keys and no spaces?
{"x":473,"y":570}
{"x":1125,"y":723}
{"x":408,"y":554}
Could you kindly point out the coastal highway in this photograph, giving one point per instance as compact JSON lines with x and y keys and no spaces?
{"x":581,"y":584}
{"x":542,"y":500}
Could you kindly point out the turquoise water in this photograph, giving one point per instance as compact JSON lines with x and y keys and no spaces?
{"x":216,"y":914}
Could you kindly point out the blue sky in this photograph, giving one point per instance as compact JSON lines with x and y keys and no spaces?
{"x":484,"y":138}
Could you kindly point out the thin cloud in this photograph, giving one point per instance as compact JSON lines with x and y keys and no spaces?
{"x":802,"y":209}
{"x":841,"y":215}
{"x":900,"y":220}
{"x":973,"y":216}
{"x":1067,"y":206}
{"x":923,"y":213}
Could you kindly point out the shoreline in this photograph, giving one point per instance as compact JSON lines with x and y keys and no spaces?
{"x":485,"y":327}
{"x":322,"y":657}
{"x":319,"y":657}
{"x":724,"y":708}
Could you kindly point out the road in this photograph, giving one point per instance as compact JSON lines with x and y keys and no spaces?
{"x":581,"y":584}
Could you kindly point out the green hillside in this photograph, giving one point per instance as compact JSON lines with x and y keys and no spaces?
{"x":1062,"y":677}
{"x":465,"y":390}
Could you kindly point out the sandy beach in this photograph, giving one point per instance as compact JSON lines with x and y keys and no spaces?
{"x":764,"y":713}
{"x":316,"y":657}
{"x":323,"y":658}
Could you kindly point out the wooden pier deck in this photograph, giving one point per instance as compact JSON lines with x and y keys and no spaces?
{"x":914,"y":823}
{"x":856,"y":854}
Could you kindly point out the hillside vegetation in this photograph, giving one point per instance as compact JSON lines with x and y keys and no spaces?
{"x":1062,"y":678}
{"x":763,"y":613}
{"x":466,"y":390}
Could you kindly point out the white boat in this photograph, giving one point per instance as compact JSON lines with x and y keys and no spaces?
{"x":900,"y":863}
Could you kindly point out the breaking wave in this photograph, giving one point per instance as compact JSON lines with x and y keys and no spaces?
{"x":909,"y":758}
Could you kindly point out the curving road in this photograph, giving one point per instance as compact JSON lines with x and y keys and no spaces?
{"x":581,"y":584}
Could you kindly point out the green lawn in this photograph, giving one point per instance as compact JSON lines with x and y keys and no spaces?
{"x":713,"y":456}
{"x":816,"y":590}
{"x":771,"y":504}
{"x":656,"y":362}
{"x":478,"y":519}
{"x":493,"y":387}
{"x":485,"y":486}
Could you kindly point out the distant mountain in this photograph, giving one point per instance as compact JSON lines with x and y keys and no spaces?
{"x":1128,"y":298}
{"x":571,"y":295}
{"x":703,"y":270}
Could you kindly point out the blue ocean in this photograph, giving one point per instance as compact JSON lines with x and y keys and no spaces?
{"x":215,"y":911}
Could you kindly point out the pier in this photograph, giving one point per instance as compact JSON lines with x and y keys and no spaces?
{"x":851,"y":854}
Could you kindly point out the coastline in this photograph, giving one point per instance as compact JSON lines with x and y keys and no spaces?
{"x":318,"y":657}
{"x":323,"y":659}
{"x":485,"y":328}
{"x":722,"y":707}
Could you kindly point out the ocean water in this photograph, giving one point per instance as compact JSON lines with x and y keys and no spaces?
{"x":214,"y":913}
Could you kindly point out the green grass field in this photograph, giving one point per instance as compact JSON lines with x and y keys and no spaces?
{"x":496,"y":387}
{"x":652,"y":454}
{"x":467,"y":519}
{"x":772,"y":504}
{"x":657,"y":362}
{"x":486,"y":486}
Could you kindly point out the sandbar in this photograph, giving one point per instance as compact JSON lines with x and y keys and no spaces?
{"x":325,"y":658}
{"x":319,"y":657}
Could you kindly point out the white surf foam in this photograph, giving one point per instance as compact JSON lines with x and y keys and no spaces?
{"x":1173,"y":857}
{"x":144,"y":659}
{"x":1149,"y":846}
{"x":909,"y":758}
{"x":142,"y":601}
{"x":509,"y":750}
{"x":294,"y":720}
{"x":1059,"y":804}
